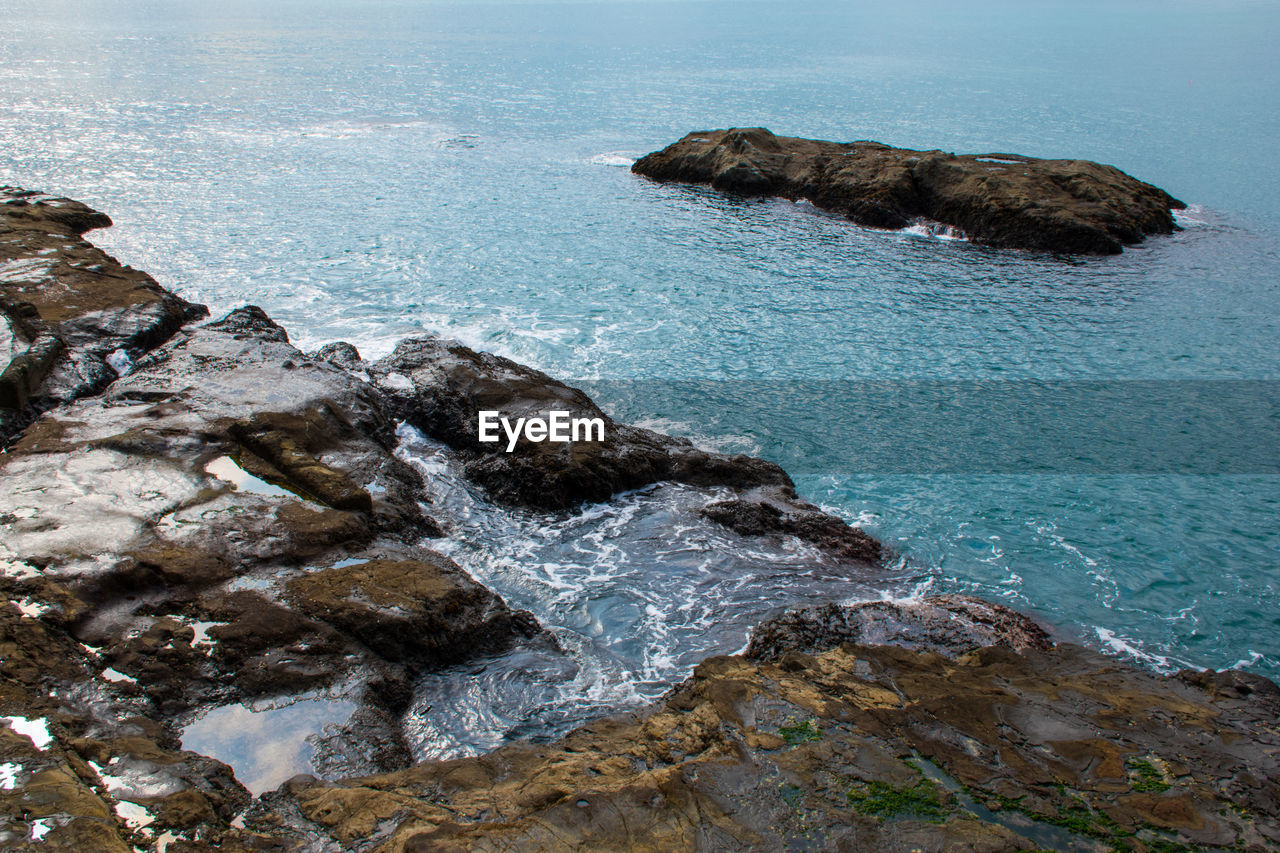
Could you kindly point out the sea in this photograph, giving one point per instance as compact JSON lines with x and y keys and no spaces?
{"x":1090,"y":440}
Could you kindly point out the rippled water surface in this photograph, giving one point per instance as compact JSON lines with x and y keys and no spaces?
{"x":365,"y":170}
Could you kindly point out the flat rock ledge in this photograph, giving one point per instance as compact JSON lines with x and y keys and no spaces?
{"x":984,"y":736}
{"x":1001,"y":200}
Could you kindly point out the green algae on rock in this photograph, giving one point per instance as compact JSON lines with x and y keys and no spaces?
{"x":858,"y":747}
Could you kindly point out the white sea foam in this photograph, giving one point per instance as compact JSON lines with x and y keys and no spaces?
{"x":1192,"y":216}
{"x":1244,"y":663}
{"x":1133,"y":648}
{"x":637,"y":590}
{"x":614,"y":158}
{"x":913,"y":595}
{"x":702,"y":440}
{"x":921,"y":227}
{"x":375,"y":338}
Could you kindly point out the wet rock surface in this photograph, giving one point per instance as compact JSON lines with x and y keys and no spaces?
{"x":426,"y":612}
{"x":75,"y":761}
{"x":854,"y":748}
{"x":1002,"y":200}
{"x":949,"y":625}
{"x":773,"y":511}
{"x":71,"y":316}
{"x":440,"y":386}
{"x":219,"y":525}
{"x":198,"y":486}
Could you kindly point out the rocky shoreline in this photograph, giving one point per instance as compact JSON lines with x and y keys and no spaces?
{"x":197,"y":516}
{"x":1001,"y":200}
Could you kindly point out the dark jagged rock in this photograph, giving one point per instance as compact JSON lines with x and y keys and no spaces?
{"x":762,"y":512}
{"x":168,"y":532}
{"x":949,"y":625}
{"x":71,"y":316}
{"x":177,"y":544}
{"x":250,"y":323}
{"x":1003,"y":200}
{"x":55,"y":790}
{"x":441,"y":386}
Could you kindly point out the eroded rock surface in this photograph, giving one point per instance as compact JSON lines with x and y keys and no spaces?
{"x":950,"y":625}
{"x":225,"y":523}
{"x":859,"y":747}
{"x":766,"y":511}
{"x":425,"y":611}
{"x":1004,"y":200}
{"x":75,"y":762}
{"x":199,"y":485}
{"x":440,"y":387}
{"x":71,"y":317}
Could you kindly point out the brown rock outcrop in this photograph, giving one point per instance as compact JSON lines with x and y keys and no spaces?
{"x":70,"y":314}
{"x":425,"y":611}
{"x":856,"y":748}
{"x":229,"y":523}
{"x":1003,"y":200}
{"x":949,"y":625}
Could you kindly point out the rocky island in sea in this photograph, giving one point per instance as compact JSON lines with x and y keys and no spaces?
{"x":194,"y":514}
{"x":1002,"y":200}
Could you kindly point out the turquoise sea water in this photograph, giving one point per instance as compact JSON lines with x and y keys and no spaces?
{"x":367,"y":170}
